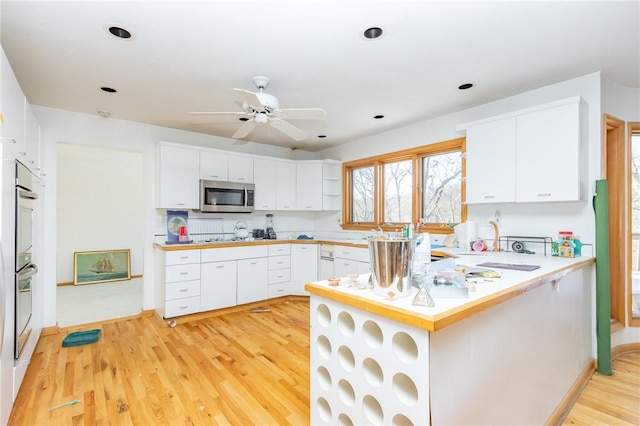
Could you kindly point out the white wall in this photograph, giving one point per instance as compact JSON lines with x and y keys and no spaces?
{"x":58,"y":126}
{"x":99,"y":204}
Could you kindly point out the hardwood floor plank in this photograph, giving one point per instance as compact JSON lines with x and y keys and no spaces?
{"x":239,"y":368}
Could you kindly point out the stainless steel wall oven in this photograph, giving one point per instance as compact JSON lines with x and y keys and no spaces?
{"x":25,"y":269}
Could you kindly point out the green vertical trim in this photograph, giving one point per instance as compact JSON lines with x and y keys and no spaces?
{"x":603,"y":296}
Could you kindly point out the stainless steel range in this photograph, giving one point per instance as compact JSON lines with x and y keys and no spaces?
{"x":25,"y":269}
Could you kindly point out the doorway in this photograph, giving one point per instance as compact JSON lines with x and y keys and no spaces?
{"x":99,"y":206}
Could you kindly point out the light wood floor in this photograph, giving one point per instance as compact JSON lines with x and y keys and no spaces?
{"x":239,"y":368}
{"x":610,"y":400}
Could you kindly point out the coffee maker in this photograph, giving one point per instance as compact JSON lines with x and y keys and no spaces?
{"x":270,"y":233}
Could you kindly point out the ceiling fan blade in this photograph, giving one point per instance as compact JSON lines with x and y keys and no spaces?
{"x":302,"y":113}
{"x":244,"y":130}
{"x":215,"y":113}
{"x":249,"y":98}
{"x":288,"y":129}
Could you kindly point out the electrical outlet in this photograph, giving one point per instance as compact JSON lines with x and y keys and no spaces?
{"x":496,"y":216}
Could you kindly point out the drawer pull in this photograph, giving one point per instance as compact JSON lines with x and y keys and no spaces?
{"x":184,"y":257}
{"x":220,"y":267}
{"x":253,"y":263}
{"x":280,"y":290}
{"x":544,"y":195}
{"x":489,"y":196}
{"x":184,"y":273}
{"x":182,"y":290}
{"x":184,"y":307}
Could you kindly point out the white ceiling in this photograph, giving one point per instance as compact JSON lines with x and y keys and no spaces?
{"x":189,"y":55}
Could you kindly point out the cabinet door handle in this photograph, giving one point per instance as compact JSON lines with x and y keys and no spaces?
{"x":253,"y":263}
{"x":184,"y":307}
{"x":179,"y":204}
{"x":489,"y":196}
{"x":184,"y":257}
{"x":220,"y":267}
{"x":184,"y":273}
{"x":182,"y":290}
{"x":544,"y":195}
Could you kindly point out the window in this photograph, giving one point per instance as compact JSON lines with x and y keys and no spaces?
{"x":421,"y":184}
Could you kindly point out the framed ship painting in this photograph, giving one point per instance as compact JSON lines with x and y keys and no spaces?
{"x":91,"y":267}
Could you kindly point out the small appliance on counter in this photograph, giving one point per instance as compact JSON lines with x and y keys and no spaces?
{"x":270,"y":233}
{"x":177,"y":221}
{"x":258,"y":234}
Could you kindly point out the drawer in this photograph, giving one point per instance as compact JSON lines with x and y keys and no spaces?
{"x":233,"y":253}
{"x":182,"y":273}
{"x":177,"y":307}
{"x":181,"y":257}
{"x":278,"y":290}
{"x":279,"y":249}
{"x":279,"y":276}
{"x":279,"y":262}
{"x":351,"y":253}
{"x":182,"y":289}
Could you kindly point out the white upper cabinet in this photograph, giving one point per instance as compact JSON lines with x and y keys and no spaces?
{"x":13,"y":113}
{"x":491,"y":162}
{"x":286,"y":185}
{"x":533,"y":155}
{"x":264,"y":174}
{"x":240,"y":169}
{"x":550,"y":155}
{"x":214,"y":166}
{"x":178,"y":178}
{"x":32,"y":140}
{"x":309,"y":185}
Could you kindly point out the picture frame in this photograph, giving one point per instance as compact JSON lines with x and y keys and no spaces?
{"x":90,"y":267}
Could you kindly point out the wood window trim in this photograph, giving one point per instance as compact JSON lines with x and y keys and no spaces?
{"x":377,"y":161}
{"x":632,"y":128}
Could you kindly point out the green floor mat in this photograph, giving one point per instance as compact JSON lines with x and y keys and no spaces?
{"x":78,"y":338}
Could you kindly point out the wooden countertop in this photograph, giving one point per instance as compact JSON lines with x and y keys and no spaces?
{"x":225,"y":244}
{"x":489,"y":292}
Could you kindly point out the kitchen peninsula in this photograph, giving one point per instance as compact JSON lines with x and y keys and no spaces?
{"x":507,"y":354}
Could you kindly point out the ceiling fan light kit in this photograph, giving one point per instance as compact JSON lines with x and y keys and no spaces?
{"x":263,"y":108}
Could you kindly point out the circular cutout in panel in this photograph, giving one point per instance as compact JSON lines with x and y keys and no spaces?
{"x":345,"y":324}
{"x":372,"y":372}
{"x":405,"y":389}
{"x":401,"y":420}
{"x":324,"y":346}
{"x":372,"y":410}
{"x":372,"y":334}
{"x":404,"y":347}
{"x":324,"y":378}
{"x":346,"y":358}
{"x":324,"y":315}
{"x":345,"y":390}
{"x":324,"y":410}
{"x":344,"y":420}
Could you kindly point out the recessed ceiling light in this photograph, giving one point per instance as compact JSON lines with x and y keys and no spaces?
{"x":120,"y":32}
{"x":243,"y":119}
{"x":465,"y":86}
{"x":373,"y":33}
{"x":378,"y":117}
{"x":108,"y":89}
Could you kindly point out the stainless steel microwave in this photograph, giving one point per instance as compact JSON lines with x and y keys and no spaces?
{"x":229,"y":197}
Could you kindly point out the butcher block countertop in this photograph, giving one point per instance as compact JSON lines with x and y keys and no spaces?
{"x":223,"y":244}
{"x":488,"y":292}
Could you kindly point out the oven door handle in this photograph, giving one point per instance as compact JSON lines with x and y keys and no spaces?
{"x":23,"y":193}
{"x":27,"y":272}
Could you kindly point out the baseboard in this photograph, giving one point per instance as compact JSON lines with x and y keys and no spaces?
{"x":47,"y":331}
{"x":624,"y":349}
{"x":561,"y":412}
{"x":71,"y":282}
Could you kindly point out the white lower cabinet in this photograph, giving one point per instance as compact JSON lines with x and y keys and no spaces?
{"x":218,"y":285}
{"x":252,"y":280}
{"x":304,"y":267}
{"x":351,"y":260}
{"x":179,"y":275}
{"x":279,"y":277}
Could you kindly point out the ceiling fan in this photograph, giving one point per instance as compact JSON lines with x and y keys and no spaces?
{"x":261,"y":108}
